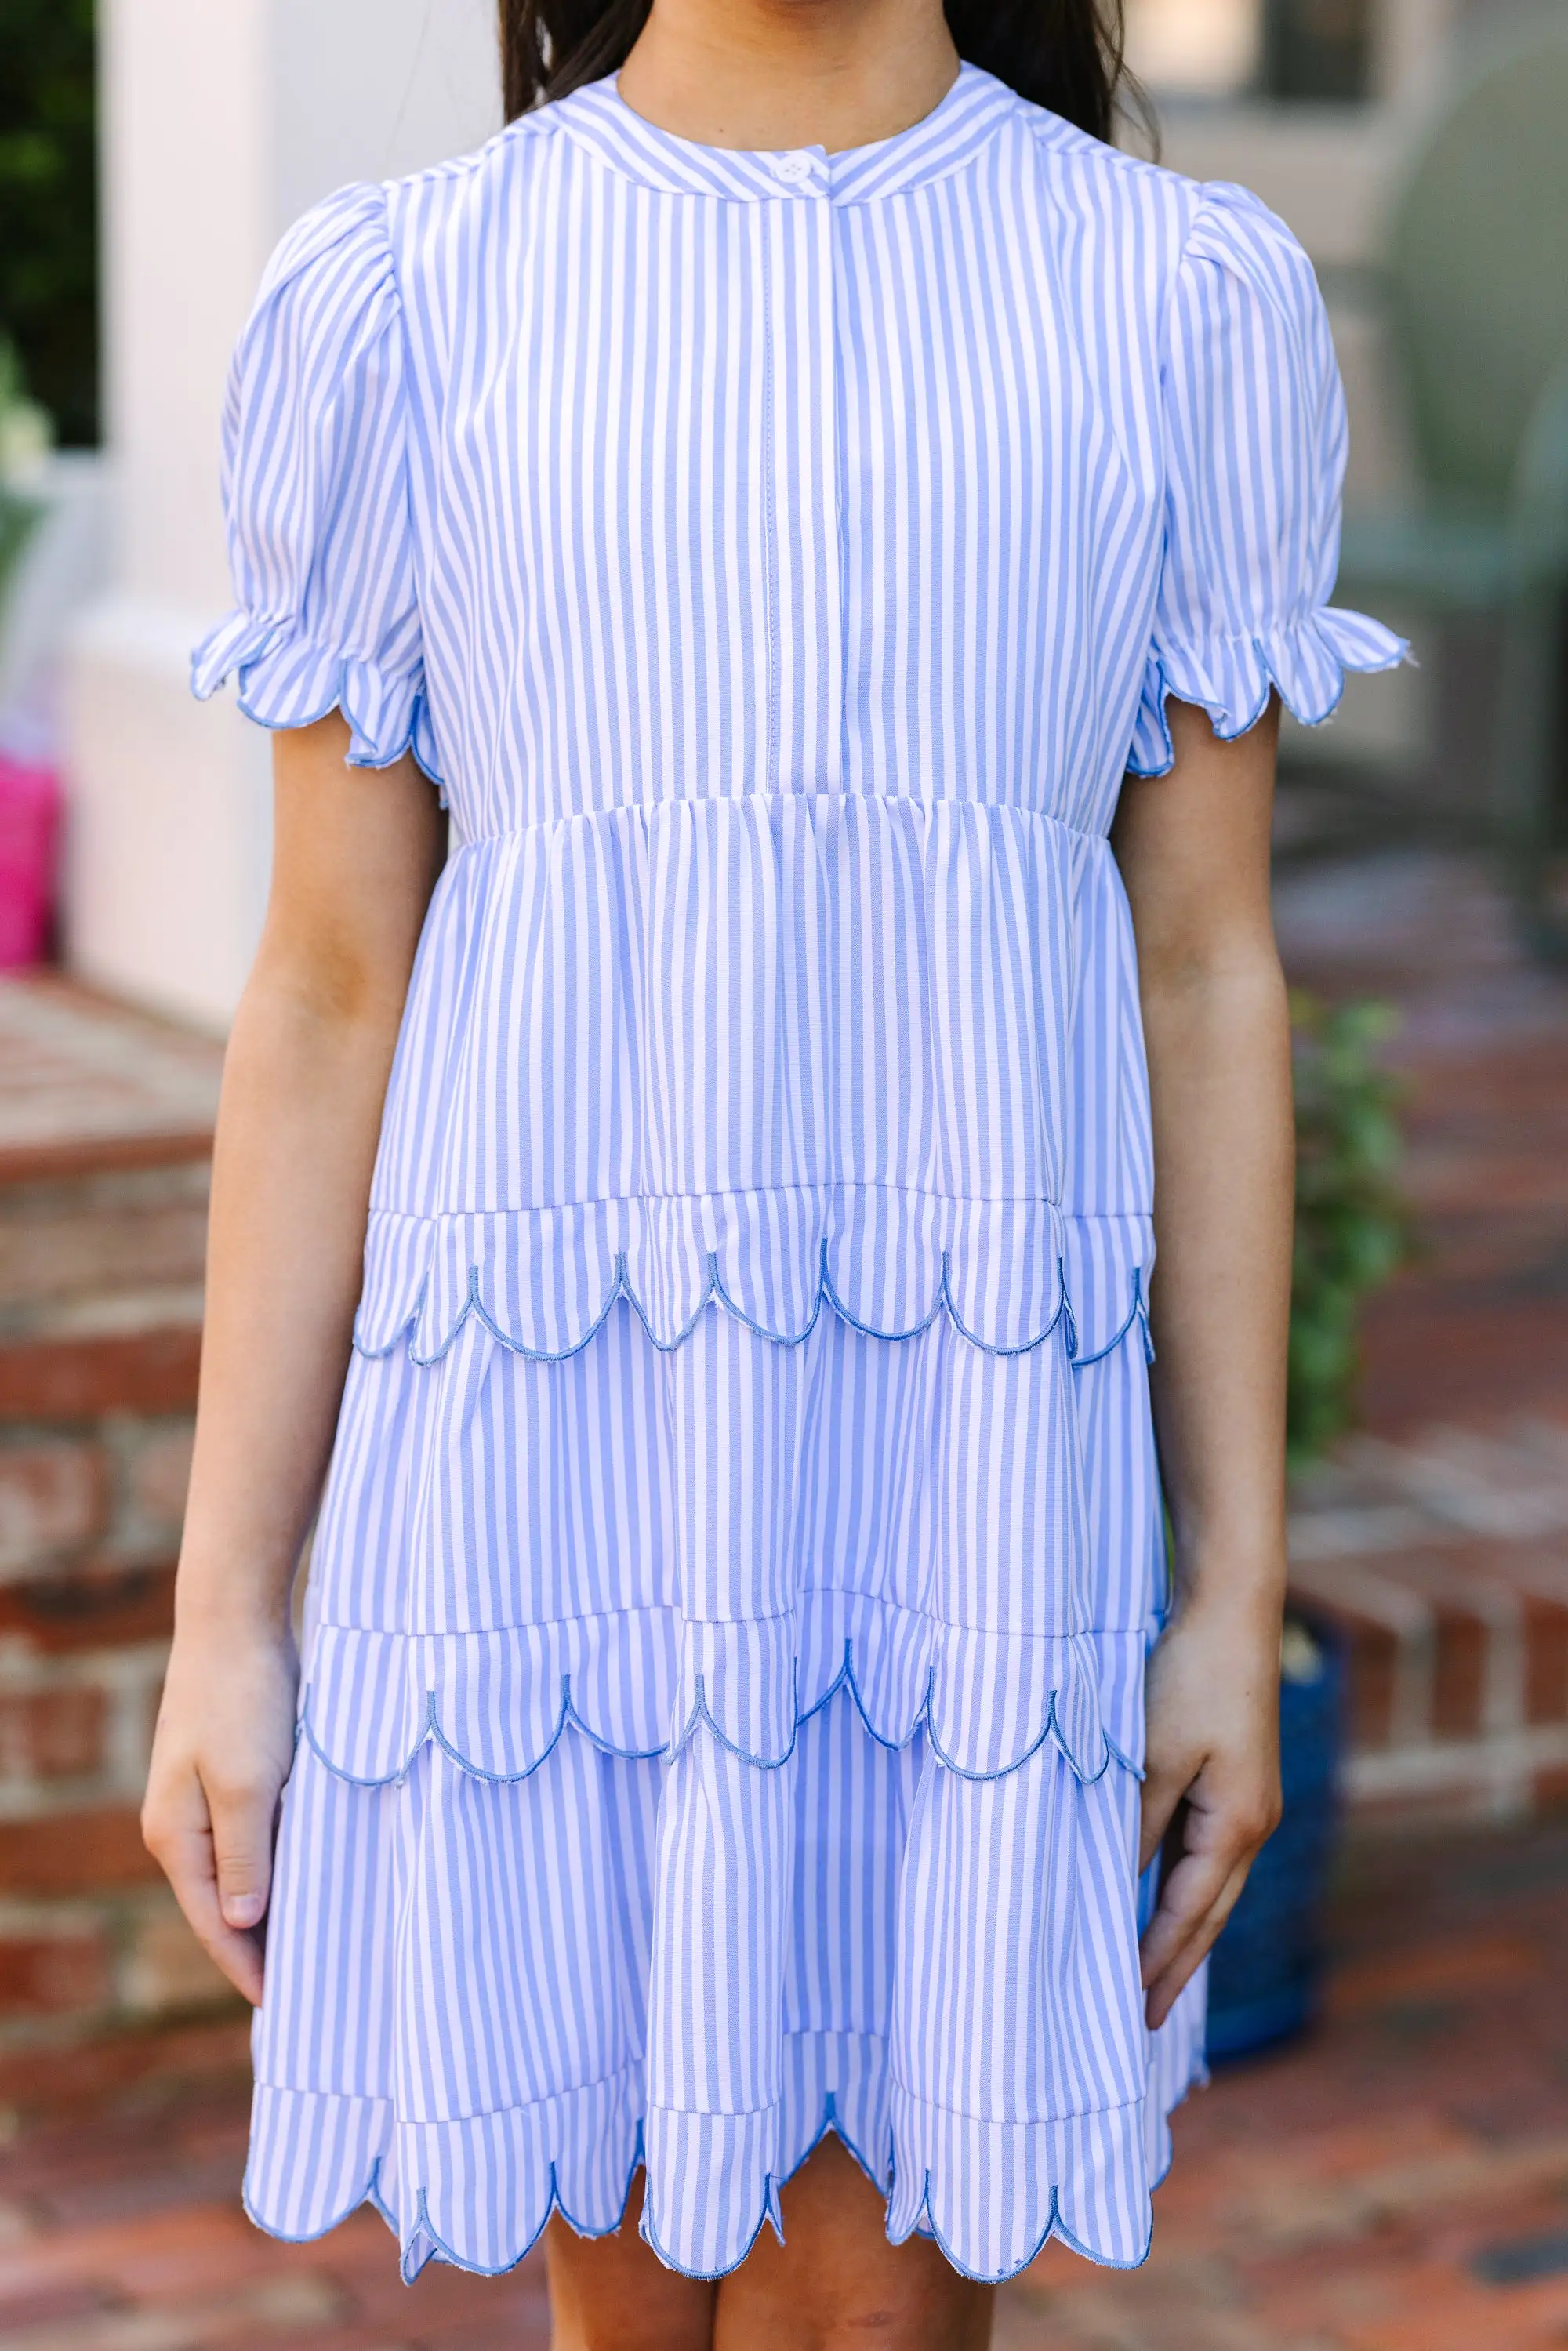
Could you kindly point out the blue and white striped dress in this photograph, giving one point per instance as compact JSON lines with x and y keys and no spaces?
{"x":723,"y":1699}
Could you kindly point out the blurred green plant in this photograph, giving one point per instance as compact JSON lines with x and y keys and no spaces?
{"x":1352,"y":1224}
{"x":24,"y":437}
{"x":49,"y":205}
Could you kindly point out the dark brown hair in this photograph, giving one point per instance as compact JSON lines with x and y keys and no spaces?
{"x":1063,"y":53}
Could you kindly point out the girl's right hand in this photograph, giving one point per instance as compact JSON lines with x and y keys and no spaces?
{"x":222,"y":1750}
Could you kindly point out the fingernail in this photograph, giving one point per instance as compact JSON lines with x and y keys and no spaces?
{"x":241,"y":1909}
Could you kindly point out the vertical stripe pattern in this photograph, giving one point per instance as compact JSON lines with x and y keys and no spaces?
{"x":723,"y":1701}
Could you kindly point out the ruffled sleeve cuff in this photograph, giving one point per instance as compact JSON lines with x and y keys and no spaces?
{"x":287,"y":680}
{"x":1231,"y":678}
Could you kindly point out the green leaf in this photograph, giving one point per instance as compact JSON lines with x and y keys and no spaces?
{"x":1353,"y":1224}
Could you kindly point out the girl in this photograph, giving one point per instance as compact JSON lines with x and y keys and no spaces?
{"x":711,"y":559}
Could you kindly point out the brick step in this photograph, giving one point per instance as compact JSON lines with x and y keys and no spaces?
{"x":1444,"y":1563}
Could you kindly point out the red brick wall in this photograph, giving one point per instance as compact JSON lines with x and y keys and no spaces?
{"x":90,"y":1504}
{"x":103,"y":1186}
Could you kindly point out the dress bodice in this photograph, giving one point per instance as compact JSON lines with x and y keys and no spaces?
{"x":779,"y":560}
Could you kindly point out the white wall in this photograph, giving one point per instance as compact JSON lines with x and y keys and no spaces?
{"x":1412,"y":37}
{"x":368,"y":92}
{"x":221,"y":122}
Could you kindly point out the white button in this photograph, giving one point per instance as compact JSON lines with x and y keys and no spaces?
{"x":792,"y":167}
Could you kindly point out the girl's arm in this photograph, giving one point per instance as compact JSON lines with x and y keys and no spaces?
{"x":355,"y":858}
{"x":1193,"y":847}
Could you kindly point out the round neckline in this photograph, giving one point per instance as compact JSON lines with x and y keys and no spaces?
{"x":598,"y":118}
{"x":926,"y":122}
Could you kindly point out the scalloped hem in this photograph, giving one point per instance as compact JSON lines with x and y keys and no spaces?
{"x":426,"y":2245}
{"x":1101,"y":2170}
{"x":287,"y":680}
{"x":1101,"y":2212}
{"x":987,"y":1702}
{"x":1084,"y":1279}
{"x":1233,"y":679}
{"x":316,"y":2156}
{"x":713,"y":1293}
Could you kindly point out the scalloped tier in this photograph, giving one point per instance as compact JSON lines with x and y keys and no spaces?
{"x":636,"y":1540}
{"x":778,"y":1048}
{"x":640,"y":1682}
{"x":286,"y":679}
{"x":490,"y":2000}
{"x":1232,"y":677}
{"x":542,"y":1280}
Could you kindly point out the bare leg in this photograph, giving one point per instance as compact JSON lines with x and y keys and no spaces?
{"x":837,"y":2283}
{"x":613,"y":2294}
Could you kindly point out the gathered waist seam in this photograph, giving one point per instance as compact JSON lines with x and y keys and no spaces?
{"x":764,"y":1191}
{"x":740,"y":799}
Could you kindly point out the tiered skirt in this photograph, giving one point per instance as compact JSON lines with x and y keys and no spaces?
{"x":709,"y":1740}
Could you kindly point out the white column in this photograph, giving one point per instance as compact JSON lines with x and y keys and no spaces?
{"x":221,"y":125}
{"x":1415,"y":40}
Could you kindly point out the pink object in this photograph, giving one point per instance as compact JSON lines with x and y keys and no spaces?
{"x":29,"y":841}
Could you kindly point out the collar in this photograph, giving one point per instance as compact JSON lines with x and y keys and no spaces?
{"x":599,"y":119}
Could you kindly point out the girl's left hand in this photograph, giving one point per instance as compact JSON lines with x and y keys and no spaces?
{"x":1211,"y":1786}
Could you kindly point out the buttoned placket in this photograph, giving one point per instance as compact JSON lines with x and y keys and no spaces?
{"x":805,"y":716}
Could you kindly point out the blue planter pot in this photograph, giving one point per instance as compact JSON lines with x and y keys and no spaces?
{"x":1266,"y":1972}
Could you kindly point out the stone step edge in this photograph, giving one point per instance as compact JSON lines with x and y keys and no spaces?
{"x":1499,"y":1776}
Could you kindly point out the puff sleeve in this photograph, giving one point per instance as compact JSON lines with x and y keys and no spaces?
{"x":316,"y":494}
{"x":1255,"y":455}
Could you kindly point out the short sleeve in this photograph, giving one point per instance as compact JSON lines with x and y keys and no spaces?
{"x":316,"y":494}
{"x":1255,"y":455}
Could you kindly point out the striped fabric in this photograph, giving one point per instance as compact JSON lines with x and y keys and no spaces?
{"x":723,"y":1699}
